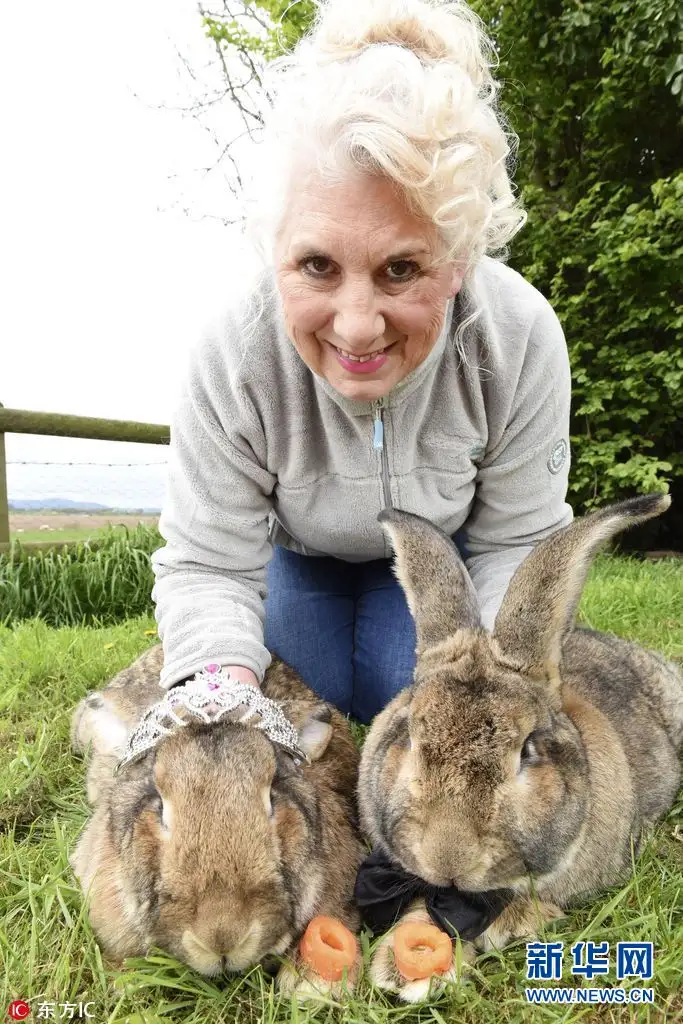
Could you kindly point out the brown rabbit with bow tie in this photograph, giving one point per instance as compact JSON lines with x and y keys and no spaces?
{"x":526,"y":759}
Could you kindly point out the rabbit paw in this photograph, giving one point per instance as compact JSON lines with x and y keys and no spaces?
{"x":522,"y":919}
{"x":386,"y":976}
{"x":295,"y":978}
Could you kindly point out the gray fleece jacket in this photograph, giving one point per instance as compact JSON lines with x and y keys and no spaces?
{"x":263,"y":451}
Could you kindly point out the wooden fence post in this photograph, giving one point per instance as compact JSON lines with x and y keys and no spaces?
{"x":4,"y":510}
{"x":27,"y":421}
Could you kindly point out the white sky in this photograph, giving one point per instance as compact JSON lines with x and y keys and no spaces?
{"x":102,"y":293}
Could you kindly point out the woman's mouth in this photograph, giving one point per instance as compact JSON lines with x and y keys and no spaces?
{"x":363,"y":364}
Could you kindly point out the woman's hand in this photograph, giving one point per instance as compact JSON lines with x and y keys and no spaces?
{"x":242,"y":674}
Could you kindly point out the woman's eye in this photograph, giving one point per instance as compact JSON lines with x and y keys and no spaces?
{"x":316,"y":266}
{"x":402,"y":270}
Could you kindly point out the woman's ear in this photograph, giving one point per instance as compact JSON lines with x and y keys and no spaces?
{"x":457,"y":274}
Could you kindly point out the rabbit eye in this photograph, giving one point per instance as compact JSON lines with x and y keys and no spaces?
{"x":166,"y":816}
{"x":267,"y":796}
{"x":529,"y":753}
{"x":161,"y":809}
{"x":155,"y":803}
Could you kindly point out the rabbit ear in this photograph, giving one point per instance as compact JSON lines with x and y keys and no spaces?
{"x":96,"y":862}
{"x":96,"y":721}
{"x":437,"y":586}
{"x":539,"y":607}
{"x":315,"y":732}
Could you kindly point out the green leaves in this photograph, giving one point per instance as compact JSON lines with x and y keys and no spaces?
{"x":594,"y":89}
{"x":267,"y":28}
{"x":674,"y":74}
{"x":611,"y":268}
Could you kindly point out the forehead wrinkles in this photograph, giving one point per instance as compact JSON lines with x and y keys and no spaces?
{"x":361,"y":215}
{"x":352,"y":245}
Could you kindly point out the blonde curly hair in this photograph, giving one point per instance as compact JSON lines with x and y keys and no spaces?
{"x":403,"y":89}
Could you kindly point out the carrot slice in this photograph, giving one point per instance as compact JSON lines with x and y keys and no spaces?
{"x":329,"y":947}
{"x":421,"y":950}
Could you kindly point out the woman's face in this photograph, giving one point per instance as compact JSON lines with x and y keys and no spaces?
{"x":363,"y":301}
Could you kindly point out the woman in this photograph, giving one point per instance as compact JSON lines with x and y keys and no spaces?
{"x":382,"y":358}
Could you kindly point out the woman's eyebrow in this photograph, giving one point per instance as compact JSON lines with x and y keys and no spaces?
{"x":419,"y":249}
{"x":410,"y":248}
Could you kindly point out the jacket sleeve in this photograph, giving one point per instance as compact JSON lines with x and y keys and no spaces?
{"x":522,"y":480}
{"x":210,"y":575}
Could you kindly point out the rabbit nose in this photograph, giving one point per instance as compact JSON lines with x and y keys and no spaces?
{"x":238,"y":950}
{"x":201,"y":955}
{"x":230,"y":947}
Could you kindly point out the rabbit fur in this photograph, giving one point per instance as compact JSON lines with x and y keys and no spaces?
{"x":527,"y":758}
{"x":215,"y":846}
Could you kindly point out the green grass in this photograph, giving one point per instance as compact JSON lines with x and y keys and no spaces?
{"x":106,"y":581}
{"x":641,"y":600}
{"x":48,"y":950}
{"x":60,"y":535}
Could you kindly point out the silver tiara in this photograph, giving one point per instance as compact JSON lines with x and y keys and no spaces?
{"x":208,"y":697}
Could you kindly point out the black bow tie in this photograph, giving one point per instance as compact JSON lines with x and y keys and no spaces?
{"x":384,"y":890}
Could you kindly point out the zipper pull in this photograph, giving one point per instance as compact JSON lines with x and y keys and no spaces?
{"x":378,"y":434}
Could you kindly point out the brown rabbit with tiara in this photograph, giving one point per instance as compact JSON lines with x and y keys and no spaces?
{"x":216,"y":845}
{"x":518,"y":768}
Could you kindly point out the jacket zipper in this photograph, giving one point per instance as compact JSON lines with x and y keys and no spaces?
{"x":378,"y":407}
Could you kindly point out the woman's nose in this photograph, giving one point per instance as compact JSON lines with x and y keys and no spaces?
{"x":357,"y":320}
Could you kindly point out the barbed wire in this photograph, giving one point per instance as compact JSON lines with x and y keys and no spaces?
{"x":25,"y":462}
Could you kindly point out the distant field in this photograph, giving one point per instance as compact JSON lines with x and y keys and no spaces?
{"x":69,"y":526}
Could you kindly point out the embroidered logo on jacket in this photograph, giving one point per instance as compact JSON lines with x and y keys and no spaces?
{"x":558,"y":456}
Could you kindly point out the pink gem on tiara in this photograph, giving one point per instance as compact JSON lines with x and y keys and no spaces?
{"x":211,"y":669}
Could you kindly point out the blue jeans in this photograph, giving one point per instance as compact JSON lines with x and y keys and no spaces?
{"x":344,"y":626}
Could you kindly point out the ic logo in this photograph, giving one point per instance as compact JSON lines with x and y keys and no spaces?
{"x":18,"y":1009}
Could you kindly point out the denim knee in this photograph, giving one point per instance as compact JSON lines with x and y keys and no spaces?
{"x":384,"y":641}
{"x":309,"y":622}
